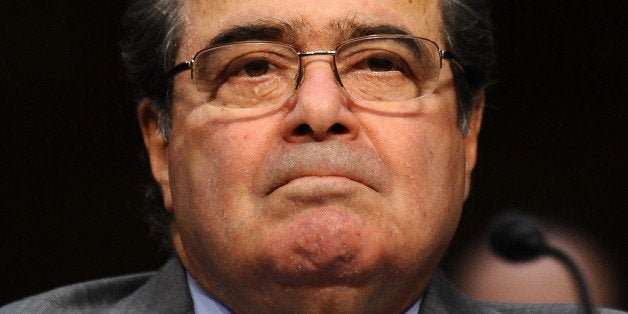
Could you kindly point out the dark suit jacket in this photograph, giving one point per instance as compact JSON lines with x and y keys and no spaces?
{"x":166,"y":291}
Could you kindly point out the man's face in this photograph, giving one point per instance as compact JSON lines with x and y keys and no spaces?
{"x":317,"y":200}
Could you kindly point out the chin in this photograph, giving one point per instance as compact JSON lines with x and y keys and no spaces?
{"x":332,"y":247}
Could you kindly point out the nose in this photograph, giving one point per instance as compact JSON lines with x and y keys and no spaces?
{"x":320,"y":109}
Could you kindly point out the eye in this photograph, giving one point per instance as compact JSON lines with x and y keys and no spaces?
{"x":252,"y":66}
{"x":375,"y":61}
{"x":380,"y":65}
{"x":256,"y":68}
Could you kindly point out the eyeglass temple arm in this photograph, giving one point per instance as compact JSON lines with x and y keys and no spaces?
{"x":444,"y":54}
{"x":183,"y":66}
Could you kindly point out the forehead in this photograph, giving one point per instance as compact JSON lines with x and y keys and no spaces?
{"x":306,"y":23}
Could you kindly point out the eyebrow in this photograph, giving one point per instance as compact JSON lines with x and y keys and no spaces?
{"x":262,"y":30}
{"x":377,"y":29}
{"x":272,"y":30}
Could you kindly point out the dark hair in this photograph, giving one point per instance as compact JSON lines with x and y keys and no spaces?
{"x":468,"y":31}
{"x":150,"y":44}
{"x":154,"y":29}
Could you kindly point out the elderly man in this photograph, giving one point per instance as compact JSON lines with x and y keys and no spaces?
{"x":310,"y":156}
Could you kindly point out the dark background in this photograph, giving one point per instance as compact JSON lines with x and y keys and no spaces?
{"x":554,"y":137}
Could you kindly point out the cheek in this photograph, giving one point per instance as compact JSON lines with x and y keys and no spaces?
{"x":213,"y":163}
{"x":425,"y":153}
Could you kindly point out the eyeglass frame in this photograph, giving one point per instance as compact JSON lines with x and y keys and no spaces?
{"x":442,"y":54}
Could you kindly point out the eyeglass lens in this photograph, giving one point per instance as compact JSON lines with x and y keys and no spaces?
{"x":261,"y":74}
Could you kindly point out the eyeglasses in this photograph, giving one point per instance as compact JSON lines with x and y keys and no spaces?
{"x":376,"y":69}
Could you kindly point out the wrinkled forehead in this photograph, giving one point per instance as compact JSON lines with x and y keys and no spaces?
{"x":306,"y":24}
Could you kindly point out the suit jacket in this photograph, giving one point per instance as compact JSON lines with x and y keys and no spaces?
{"x":166,"y":291}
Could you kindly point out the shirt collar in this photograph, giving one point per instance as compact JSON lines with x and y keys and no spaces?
{"x":203,"y":302}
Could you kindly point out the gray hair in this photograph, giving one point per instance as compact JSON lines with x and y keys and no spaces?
{"x":154,"y":29}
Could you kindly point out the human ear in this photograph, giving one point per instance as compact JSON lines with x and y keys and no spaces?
{"x":156,"y":146}
{"x":471,"y":140}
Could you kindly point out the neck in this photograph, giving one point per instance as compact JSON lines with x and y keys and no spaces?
{"x":393,"y":298}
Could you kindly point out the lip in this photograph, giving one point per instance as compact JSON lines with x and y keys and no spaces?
{"x":320,"y":163}
{"x":319,"y":181}
{"x":315,"y":188}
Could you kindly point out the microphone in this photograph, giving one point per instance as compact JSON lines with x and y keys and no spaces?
{"x":518,"y":238}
